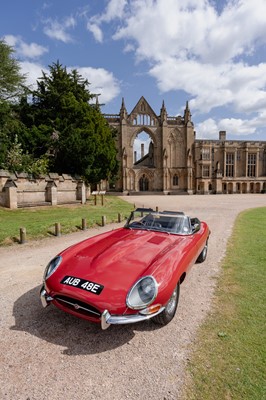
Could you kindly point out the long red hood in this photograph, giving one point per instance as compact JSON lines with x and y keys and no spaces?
{"x":115,"y":260}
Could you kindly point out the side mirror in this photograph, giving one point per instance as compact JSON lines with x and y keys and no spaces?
{"x":195,"y":228}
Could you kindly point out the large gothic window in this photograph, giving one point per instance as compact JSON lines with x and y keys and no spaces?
{"x":143,"y":149}
{"x":230,"y":163}
{"x":252,"y":164}
{"x":143,"y":119}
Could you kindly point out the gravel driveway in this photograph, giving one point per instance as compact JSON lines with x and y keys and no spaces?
{"x":47,"y":354}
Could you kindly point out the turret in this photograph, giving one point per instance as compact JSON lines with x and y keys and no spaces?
{"x":187,"y":114}
{"x":123,"y":110}
{"x":163,"y":113}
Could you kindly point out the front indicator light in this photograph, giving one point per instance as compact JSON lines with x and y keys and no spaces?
{"x":151,"y":310}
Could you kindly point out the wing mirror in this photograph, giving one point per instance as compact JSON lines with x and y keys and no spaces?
{"x":196,"y":227}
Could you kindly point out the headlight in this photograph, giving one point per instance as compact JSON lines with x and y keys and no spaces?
{"x":142,"y":293}
{"x":52,"y":266}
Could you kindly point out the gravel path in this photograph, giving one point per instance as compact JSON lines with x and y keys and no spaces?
{"x":47,"y":354}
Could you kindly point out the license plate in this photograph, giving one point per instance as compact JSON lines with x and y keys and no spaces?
{"x":89,"y":286}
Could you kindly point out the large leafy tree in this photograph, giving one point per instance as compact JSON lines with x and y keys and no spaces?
{"x":74,"y":131}
{"x":11,"y":80}
{"x":11,"y":88}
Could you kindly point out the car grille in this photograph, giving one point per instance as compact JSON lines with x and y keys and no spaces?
{"x":78,"y":306}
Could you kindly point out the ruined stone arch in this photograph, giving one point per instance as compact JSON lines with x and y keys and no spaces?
{"x":151,"y":159}
{"x":140,"y":130}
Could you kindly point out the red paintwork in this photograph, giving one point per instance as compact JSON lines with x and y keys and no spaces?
{"x":117,"y":259}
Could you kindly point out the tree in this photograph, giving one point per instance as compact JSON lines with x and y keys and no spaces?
{"x":74,"y":131}
{"x":18,"y":161}
{"x":11,"y":88}
{"x":11,"y":80}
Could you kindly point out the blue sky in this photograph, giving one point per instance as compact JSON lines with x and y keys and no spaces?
{"x":211,"y":53}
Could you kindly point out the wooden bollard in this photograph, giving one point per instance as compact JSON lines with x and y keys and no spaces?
{"x":103,"y":220}
{"x":119,"y":217}
{"x":57,"y":227}
{"x":84,"y":224}
{"x":157,"y":209}
{"x":22,"y":234}
{"x":95,"y":200}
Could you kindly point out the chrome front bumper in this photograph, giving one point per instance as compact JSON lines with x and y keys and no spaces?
{"x":106,"y":318}
{"x":45,"y":299}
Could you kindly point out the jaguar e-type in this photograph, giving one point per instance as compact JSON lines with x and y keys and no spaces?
{"x":129,"y":274}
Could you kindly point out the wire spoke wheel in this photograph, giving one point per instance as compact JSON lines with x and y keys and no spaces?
{"x":170,"y":309}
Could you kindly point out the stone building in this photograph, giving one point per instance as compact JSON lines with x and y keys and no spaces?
{"x":172,"y":161}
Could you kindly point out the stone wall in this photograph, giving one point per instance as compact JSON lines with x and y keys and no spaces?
{"x":21,"y":190}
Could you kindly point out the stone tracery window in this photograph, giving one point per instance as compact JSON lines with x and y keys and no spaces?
{"x":230,"y":163}
{"x":143,"y":119}
{"x":206,"y":171}
{"x":205,"y":153}
{"x":252,"y":159}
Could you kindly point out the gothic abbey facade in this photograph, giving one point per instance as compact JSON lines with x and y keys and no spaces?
{"x":173,"y":161}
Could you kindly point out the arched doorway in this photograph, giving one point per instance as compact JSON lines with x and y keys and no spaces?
{"x":144,"y":183}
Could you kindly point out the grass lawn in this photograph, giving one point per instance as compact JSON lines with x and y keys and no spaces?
{"x":39,"y":222}
{"x":229,"y":358}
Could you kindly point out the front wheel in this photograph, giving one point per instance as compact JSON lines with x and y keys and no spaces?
{"x":170,"y":309}
{"x":203,"y":255}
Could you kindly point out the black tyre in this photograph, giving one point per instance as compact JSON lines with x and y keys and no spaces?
{"x":170,"y":309}
{"x":203,"y":255}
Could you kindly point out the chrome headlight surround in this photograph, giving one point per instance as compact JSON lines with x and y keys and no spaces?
{"x":52,"y":267}
{"x":142,"y":293}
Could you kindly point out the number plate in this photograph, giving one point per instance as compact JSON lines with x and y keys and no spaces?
{"x":89,"y":286}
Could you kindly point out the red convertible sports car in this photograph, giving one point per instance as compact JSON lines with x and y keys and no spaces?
{"x":129,"y":274}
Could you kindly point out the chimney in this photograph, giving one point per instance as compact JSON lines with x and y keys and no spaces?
{"x":222,"y":136}
{"x":142,"y":150}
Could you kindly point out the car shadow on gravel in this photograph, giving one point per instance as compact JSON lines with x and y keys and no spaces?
{"x":62,"y":329}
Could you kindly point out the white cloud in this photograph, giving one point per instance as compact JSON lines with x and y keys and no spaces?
{"x":31,"y":50}
{"x":11,"y":40}
{"x":190,"y":46}
{"x":101,"y":81}
{"x":58,"y":30}
{"x":33,"y":72}
{"x":235,"y":127}
{"x":114,"y":10}
{"x":96,"y":31}
{"x":207,"y":129}
{"x":193,"y":29}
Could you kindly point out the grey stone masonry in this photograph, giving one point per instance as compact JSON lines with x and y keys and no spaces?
{"x":21,"y":190}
